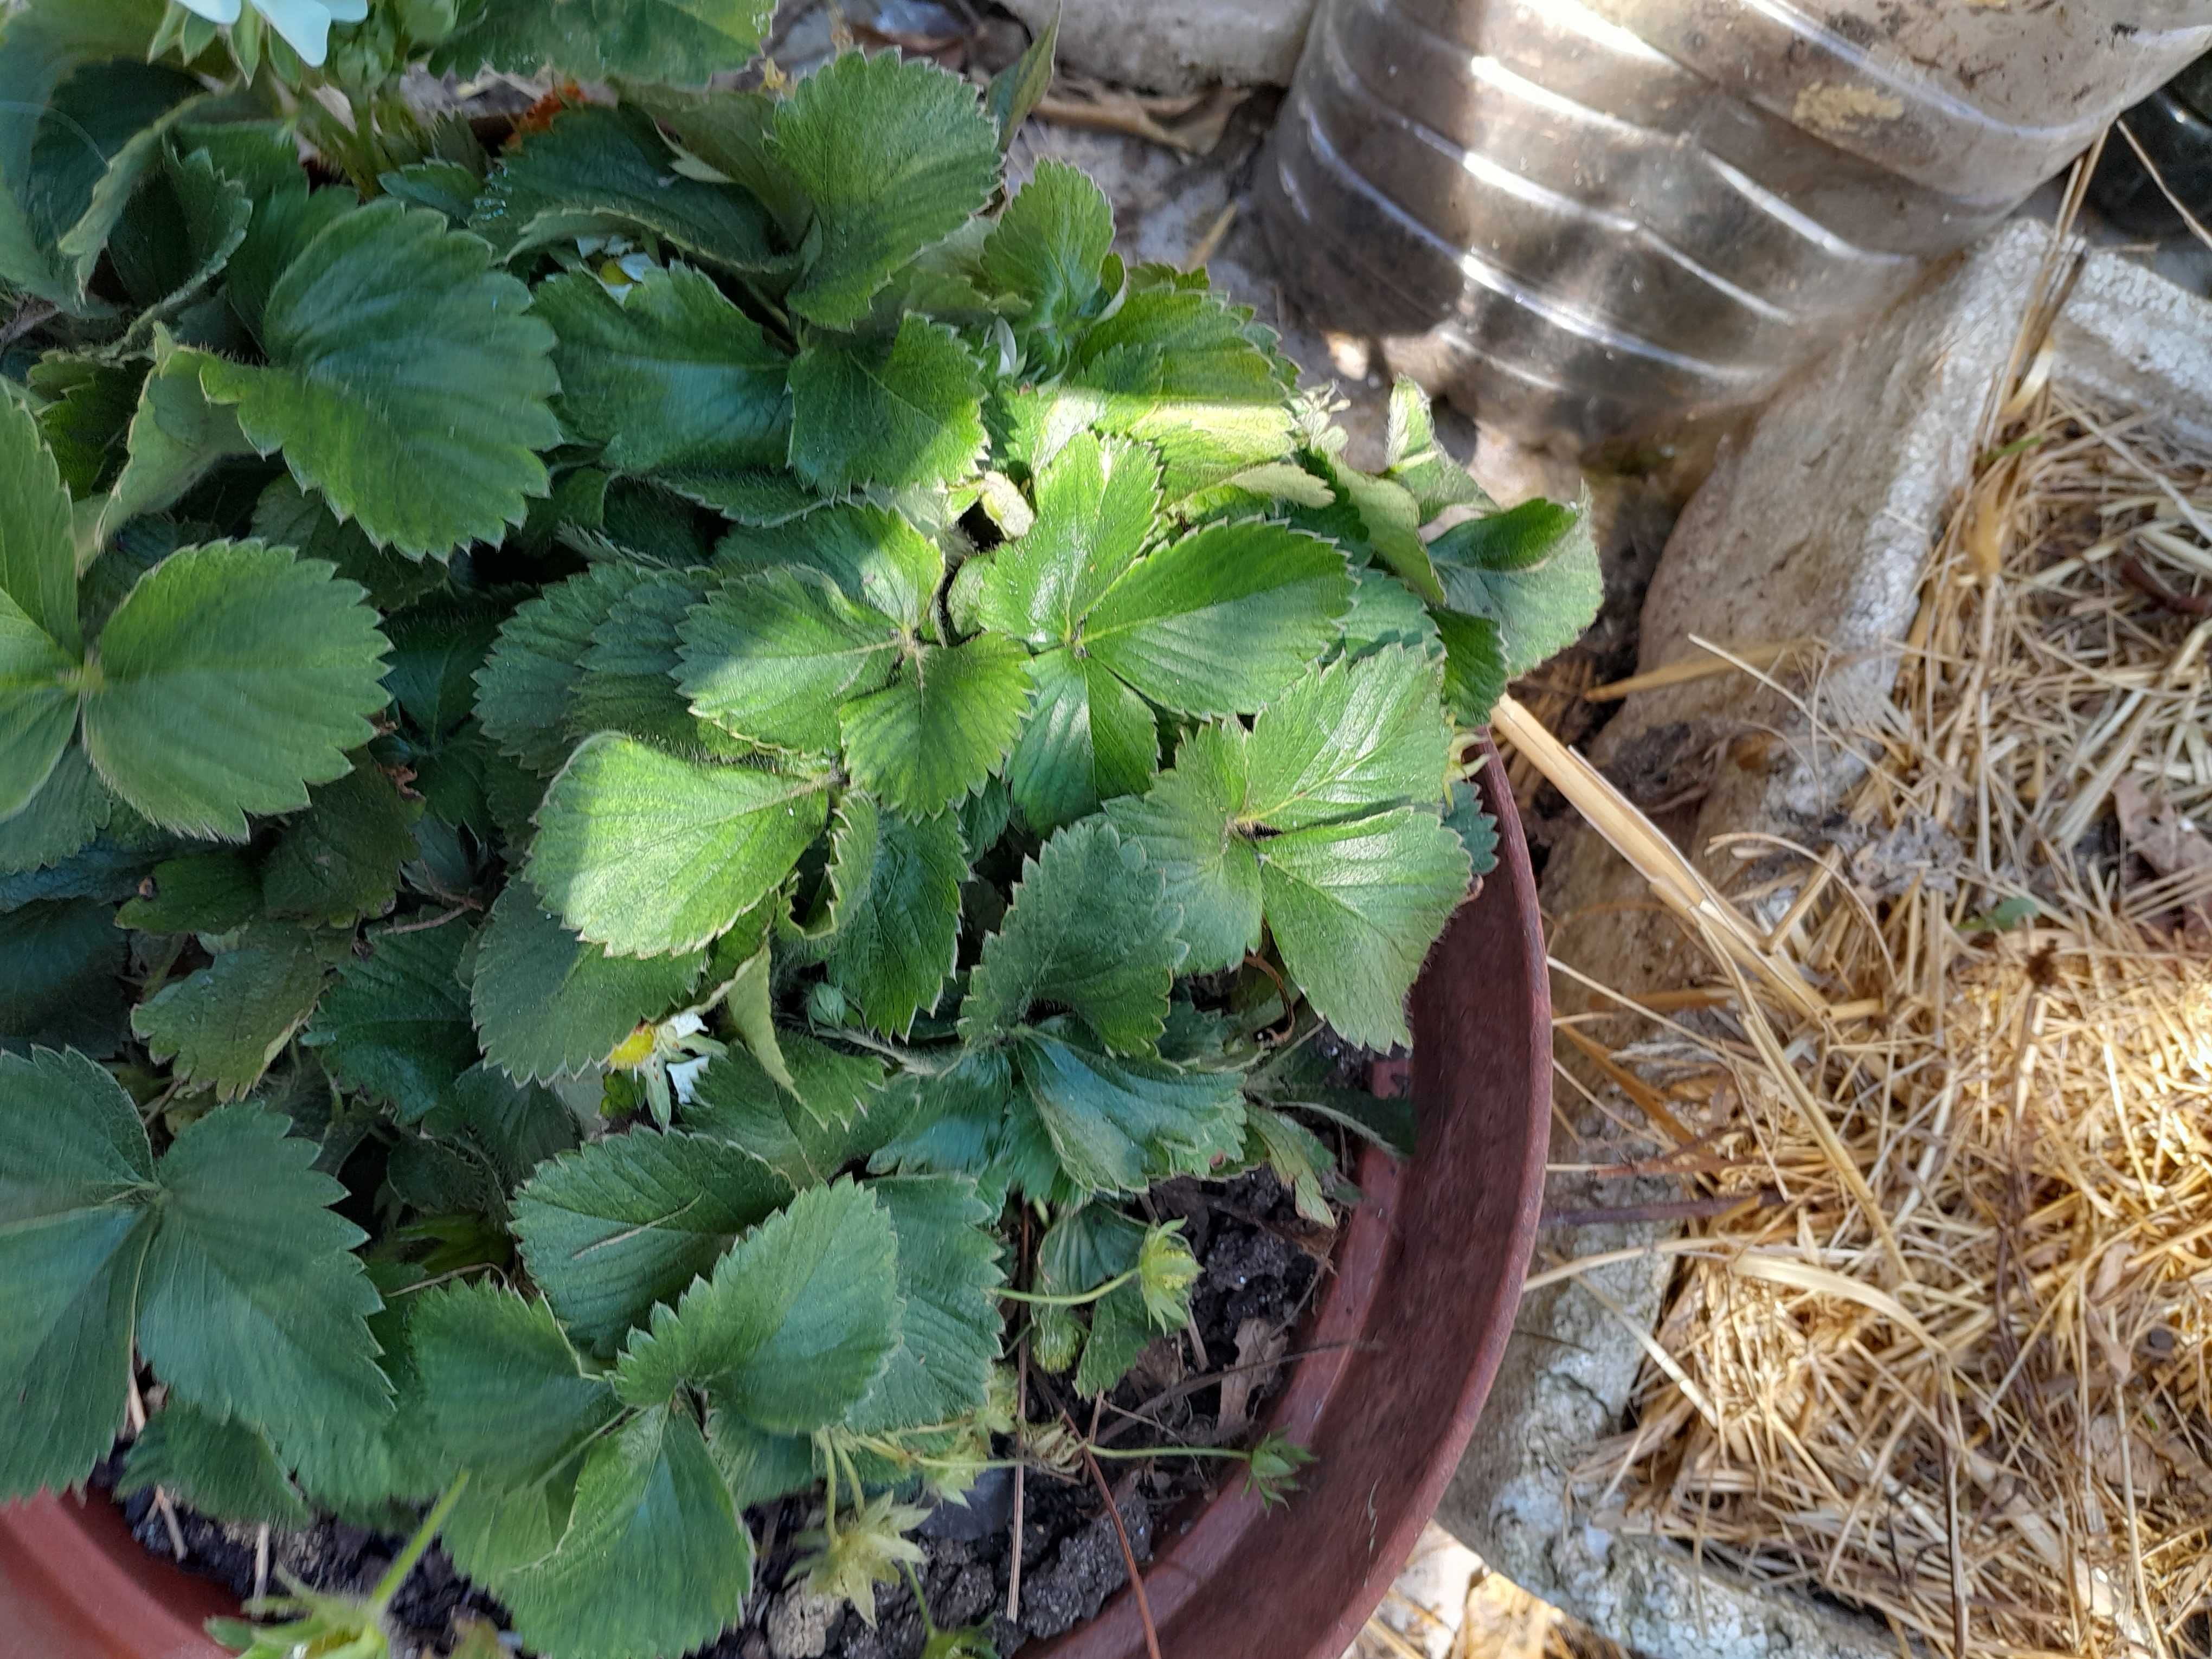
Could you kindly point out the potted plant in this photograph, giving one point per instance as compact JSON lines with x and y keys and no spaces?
{"x":653,"y":789}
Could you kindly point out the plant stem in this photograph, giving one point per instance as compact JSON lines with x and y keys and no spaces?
{"x":1232,"y":1452}
{"x":852,"y":1473}
{"x":1073,"y":1299}
{"x":396,"y":1574}
{"x":928,"y":1624}
{"x":1121,"y":1535}
{"x":904,"y":1058}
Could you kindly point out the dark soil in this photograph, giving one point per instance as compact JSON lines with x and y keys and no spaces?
{"x":330,"y":1555}
{"x":1261,"y":1265}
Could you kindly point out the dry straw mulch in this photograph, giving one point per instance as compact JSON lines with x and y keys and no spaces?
{"x":1944,"y":1354}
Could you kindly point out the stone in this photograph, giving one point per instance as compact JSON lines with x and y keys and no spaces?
{"x":1176,"y":45}
{"x":1816,"y":524}
{"x":798,"y":1623}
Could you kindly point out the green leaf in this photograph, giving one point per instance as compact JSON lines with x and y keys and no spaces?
{"x":894,"y":911}
{"x":227,"y":1470}
{"x":436,"y":648}
{"x":1089,"y":739}
{"x":798,"y":1322}
{"x":1090,"y":930}
{"x":894,"y":154}
{"x":1086,"y":1246}
{"x":1475,"y":665}
{"x":102,"y":135}
{"x":366,"y":1464}
{"x":1049,"y":246}
{"x":287,"y":515}
{"x":61,"y":963}
{"x":949,"y":1328}
{"x":396,"y":1023}
{"x":630,"y":1220}
{"x":491,"y":1532}
{"x":71,"y":807}
{"x":287,"y":218}
{"x":231,"y":677}
{"x":1223,"y":620}
{"x":770,"y":656}
{"x":669,"y":374}
{"x":941,"y":727}
{"x":1298,"y":1159}
{"x":1419,"y":462}
{"x":516,"y":1126}
{"x":88,"y":410}
{"x":199,"y":893}
{"x":1097,"y":501}
{"x":1187,"y":824}
{"x":1533,"y":570}
{"x":1388,"y":1123}
{"x":397,"y":353}
{"x":503,"y":1393}
{"x":599,"y":171}
{"x":1182,"y":369}
{"x":76,"y":1177}
{"x":449,"y":187}
{"x":1476,"y":828}
{"x":38,"y":563}
{"x":109,"y":868}
{"x":106,"y":135}
{"x":549,"y":1005}
{"x":969,"y":1120}
{"x":526,"y":686}
{"x":1120,"y":1333}
{"x":655,"y":1560}
{"x":220,"y":1028}
{"x":247,"y":1260}
{"x":38,"y":710}
{"x":46,"y":44}
{"x":629,"y":682}
{"x":1355,"y":737}
{"x":651,"y":854}
{"x":1014,"y":92}
{"x":1355,"y":909}
{"x":683,"y":41}
{"x":1385,"y":612}
{"x":1120,"y":1125}
{"x":1392,"y":519}
{"x":177,"y":437}
{"x":903,"y":411}
{"x":870,"y":552}
{"x":339,"y":860}
{"x":836,"y":1115}
{"x":757,"y":1466}
{"x":732,"y":133}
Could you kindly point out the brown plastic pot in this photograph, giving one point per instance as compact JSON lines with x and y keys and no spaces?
{"x":1402,"y":1351}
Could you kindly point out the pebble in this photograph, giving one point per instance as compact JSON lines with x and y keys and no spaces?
{"x":798,"y":1624}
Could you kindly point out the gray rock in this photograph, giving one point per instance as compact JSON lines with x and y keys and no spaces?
{"x":798,"y":1623}
{"x":1177,"y":45}
{"x":1815,"y":525}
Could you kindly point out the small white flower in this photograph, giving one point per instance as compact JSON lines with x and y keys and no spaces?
{"x":305,"y":24}
{"x":683,"y":1078}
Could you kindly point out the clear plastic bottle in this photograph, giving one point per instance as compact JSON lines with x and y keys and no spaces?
{"x":2174,"y":127}
{"x":1596,"y":218}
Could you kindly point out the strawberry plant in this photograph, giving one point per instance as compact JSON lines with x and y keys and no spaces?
{"x":617,"y":755}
